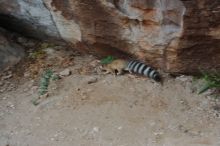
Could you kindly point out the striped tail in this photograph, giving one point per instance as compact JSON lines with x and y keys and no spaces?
{"x":143,"y":69}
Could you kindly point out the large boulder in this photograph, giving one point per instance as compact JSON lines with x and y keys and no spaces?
{"x":30,"y":18}
{"x":10,"y":52}
{"x":179,"y":36}
{"x":198,"y":48}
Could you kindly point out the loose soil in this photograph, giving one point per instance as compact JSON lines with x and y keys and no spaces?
{"x":108,"y":111}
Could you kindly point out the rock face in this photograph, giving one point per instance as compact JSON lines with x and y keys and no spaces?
{"x":178,"y":36}
{"x":30,"y":18}
{"x":199,"y":46}
{"x":10,"y":53}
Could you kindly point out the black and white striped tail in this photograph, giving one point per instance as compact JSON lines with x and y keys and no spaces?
{"x":143,"y":69}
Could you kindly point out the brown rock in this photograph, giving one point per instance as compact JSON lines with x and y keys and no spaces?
{"x":179,"y":36}
{"x":199,"y":46}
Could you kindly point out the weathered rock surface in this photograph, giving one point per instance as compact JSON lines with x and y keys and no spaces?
{"x":199,"y":45}
{"x":30,"y":18}
{"x":10,"y":53}
{"x":175,"y":35}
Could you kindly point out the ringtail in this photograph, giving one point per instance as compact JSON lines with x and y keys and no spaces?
{"x":119,"y":66}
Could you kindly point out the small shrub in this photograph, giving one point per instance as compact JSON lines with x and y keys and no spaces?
{"x":37,"y":54}
{"x":44,"y":82}
{"x":212,"y":80}
{"x":55,"y":77}
{"x":107,"y":60}
{"x":47,"y":45}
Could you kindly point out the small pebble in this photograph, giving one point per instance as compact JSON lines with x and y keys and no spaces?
{"x":10,"y":105}
{"x":1,"y":83}
{"x":65,"y":73}
{"x":22,"y":40}
{"x":4,"y":98}
{"x":44,"y":96}
{"x":26,"y":90}
{"x":52,"y":139}
{"x":119,"y":128}
{"x":34,"y":88}
{"x":2,"y":90}
{"x":7,"y":77}
{"x":95,"y":63}
{"x":95,"y":129}
{"x":182,"y":78}
{"x":84,"y":96}
{"x":92,"y":80}
{"x":27,"y":74}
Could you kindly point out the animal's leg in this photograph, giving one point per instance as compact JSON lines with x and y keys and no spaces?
{"x":107,"y":71}
{"x":120,"y":72}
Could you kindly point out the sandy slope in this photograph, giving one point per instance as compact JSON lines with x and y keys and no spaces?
{"x":121,"y":111}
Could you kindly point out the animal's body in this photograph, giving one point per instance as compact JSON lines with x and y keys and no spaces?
{"x":118,"y":66}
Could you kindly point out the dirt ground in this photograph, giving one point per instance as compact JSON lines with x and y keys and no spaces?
{"x":91,"y":109}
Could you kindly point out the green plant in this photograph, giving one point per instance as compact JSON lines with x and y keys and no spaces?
{"x":212,"y":80}
{"x":44,"y":82}
{"x":107,"y":60}
{"x":37,"y":54}
{"x":55,"y":77}
{"x":47,"y":45}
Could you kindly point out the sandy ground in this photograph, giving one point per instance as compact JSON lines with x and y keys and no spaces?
{"x":114,"y":111}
